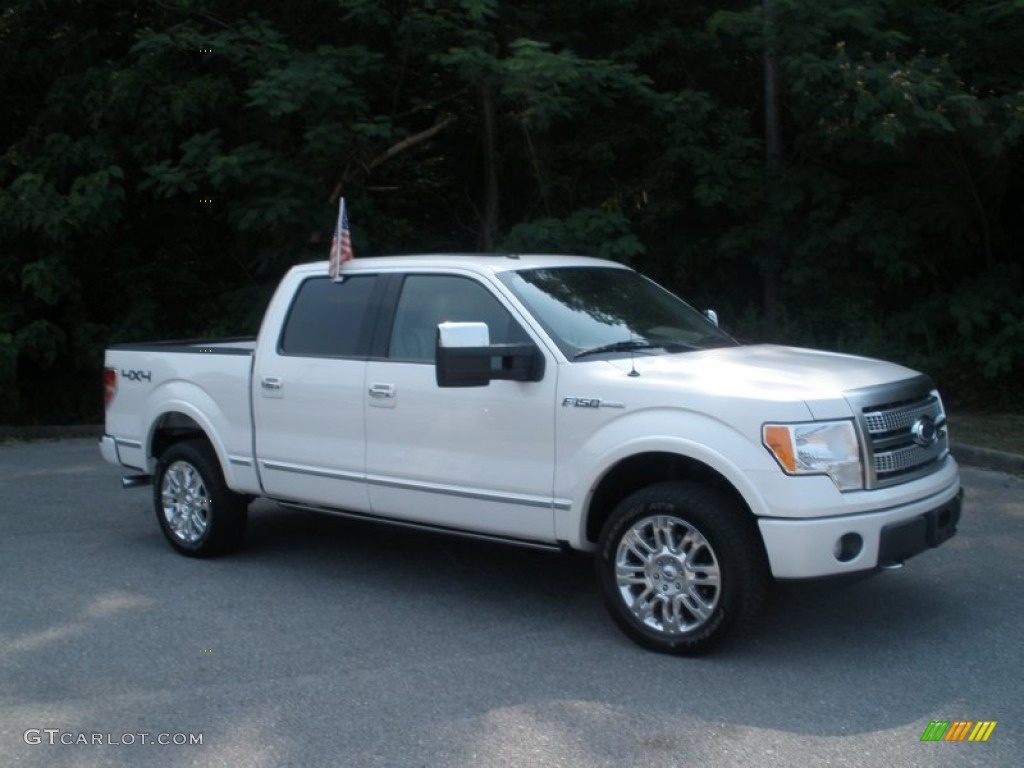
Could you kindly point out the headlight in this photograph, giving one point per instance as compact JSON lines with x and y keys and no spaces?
{"x":818,"y":448}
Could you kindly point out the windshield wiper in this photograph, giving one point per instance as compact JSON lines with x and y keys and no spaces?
{"x":619,"y":346}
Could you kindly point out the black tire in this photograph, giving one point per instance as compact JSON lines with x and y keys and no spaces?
{"x":198,"y":514}
{"x":680,"y":566}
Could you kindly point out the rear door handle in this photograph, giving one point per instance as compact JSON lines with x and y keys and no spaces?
{"x":272,"y":386}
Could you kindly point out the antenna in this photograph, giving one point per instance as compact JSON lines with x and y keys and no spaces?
{"x":632,"y":355}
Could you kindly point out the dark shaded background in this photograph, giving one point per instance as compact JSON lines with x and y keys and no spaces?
{"x":165,"y":162}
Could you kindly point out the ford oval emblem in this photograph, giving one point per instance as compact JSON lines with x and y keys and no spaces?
{"x":924,"y":431}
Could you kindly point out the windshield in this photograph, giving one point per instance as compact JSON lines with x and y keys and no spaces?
{"x":604,"y":310}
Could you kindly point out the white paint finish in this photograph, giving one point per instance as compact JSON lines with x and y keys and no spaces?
{"x":310,"y":438}
{"x":802,"y":549}
{"x":496,"y":440}
{"x":212,"y":390}
{"x":765,"y":372}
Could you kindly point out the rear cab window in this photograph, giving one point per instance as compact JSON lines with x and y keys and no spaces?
{"x":329,"y":319}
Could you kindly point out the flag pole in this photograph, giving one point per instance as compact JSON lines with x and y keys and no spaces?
{"x":341,"y":244}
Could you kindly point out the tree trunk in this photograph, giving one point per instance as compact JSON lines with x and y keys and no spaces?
{"x":771,"y":261}
{"x":489,"y":223}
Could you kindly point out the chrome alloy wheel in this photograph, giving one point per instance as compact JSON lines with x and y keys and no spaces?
{"x":185,"y":502}
{"x":667,"y":574}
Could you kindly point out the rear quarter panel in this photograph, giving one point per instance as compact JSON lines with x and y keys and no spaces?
{"x":212,"y":389}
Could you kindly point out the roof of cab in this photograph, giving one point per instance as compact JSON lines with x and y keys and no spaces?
{"x":473,"y":262}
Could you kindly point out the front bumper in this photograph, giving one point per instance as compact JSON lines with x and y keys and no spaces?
{"x":903,"y":540}
{"x":808,"y":549}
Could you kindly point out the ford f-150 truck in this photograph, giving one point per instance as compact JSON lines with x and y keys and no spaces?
{"x":550,"y":401}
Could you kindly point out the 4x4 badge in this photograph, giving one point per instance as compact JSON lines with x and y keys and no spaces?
{"x":136,"y":375}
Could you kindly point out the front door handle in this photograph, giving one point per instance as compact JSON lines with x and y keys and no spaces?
{"x":382,"y":396}
{"x":382,"y":391}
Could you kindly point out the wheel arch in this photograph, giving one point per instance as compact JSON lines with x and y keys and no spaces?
{"x":172,"y":427}
{"x":646,"y":468}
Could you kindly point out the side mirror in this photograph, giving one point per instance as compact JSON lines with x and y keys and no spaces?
{"x":465,"y":357}
{"x":711,"y":315}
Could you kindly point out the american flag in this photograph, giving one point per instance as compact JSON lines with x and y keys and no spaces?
{"x":341,"y":245}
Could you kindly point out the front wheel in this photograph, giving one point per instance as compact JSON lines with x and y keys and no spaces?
{"x":680,"y":565}
{"x":198,"y":514}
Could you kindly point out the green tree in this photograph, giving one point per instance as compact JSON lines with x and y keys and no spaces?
{"x":902,"y":143}
{"x":164,"y":162}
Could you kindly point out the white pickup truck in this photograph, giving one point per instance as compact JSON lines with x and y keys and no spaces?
{"x":549,"y":401}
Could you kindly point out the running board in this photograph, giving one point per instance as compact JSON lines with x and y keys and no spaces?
{"x":497,"y":538}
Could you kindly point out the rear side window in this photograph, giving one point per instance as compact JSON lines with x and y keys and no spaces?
{"x":328,"y":319}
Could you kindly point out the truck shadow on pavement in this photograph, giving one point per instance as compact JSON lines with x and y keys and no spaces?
{"x":869,"y":619}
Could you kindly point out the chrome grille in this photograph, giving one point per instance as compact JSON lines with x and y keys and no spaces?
{"x":903,"y":459}
{"x":888,"y":416}
{"x":902,"y":417}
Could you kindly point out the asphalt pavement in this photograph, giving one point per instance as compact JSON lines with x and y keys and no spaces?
{"x":325,"y":642}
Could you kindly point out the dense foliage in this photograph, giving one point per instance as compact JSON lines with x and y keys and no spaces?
{"x":164,"y":161}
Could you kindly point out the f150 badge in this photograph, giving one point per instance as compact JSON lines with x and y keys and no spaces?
{"x":137,"y":375}
{"x":589,"y":402}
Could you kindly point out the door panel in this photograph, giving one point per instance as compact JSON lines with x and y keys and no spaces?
{"x":479,"y":458}
{"x":308,"y":397}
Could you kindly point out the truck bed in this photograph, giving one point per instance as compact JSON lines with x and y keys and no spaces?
{"x":205,"y":382}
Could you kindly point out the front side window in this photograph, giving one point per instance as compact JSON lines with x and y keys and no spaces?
{"x":605,"y":310}
{"x":427,"y":300}
{"x":328,"y":319}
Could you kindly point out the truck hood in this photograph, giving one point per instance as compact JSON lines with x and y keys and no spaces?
{"x":765,"y":371}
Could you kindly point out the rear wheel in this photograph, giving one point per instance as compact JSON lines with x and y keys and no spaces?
{"x":198,"y":514}
{"x":680,"y":566}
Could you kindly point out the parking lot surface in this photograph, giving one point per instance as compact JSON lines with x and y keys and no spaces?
{"x":325,"y":642}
